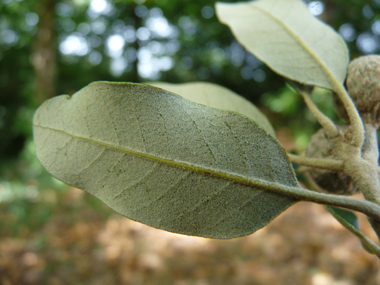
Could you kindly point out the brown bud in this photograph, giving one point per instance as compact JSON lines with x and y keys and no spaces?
{"x":363,"y":86}
{"x":335,"y":182}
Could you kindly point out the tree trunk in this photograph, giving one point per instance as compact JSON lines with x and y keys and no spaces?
{"x":44,"y":54}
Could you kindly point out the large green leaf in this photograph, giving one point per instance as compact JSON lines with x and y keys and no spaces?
{"x":216,"y":96}
{"x":289,"y":39}
{"x":160,"y":159}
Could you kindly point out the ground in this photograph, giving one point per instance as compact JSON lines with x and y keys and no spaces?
{"x":69,"y":237}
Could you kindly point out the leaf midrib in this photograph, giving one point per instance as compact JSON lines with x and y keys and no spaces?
{"x":330,"y":76}
{"x":262,"y":184}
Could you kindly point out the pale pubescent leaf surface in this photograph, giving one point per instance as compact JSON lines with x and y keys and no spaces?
{"x":216,"y":96}
{"x":289,"y":39}
{"x":162,"y":160}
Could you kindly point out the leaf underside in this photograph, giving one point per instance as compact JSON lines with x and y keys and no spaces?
{"x":162,"y":160}
{"x":289,"y":39}
{"x":213,"y":95}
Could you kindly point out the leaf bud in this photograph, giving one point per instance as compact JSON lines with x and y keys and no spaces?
{"x":363,"y":86}
{"x":334,"y":182}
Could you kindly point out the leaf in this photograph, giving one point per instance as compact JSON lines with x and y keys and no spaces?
{"x":349,"y":220}
{"x":289,"y":39}
{"x":162,"y":160}
{"x":348,"y":216}
{"x":216,"y":96}
{"x":301,"y":87}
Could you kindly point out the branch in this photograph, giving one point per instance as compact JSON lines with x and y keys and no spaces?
{"x":352,"y":113}
{"x":303,"y":169}
{"x":370,"y":148}
{"x":368,"y":208}
{"x":326,"y":123}
{"x":324,"y":163}
{"x":366,"y":242}
{"x":314,"y":184}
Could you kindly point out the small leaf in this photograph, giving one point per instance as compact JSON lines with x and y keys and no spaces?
{"x":346,"y":215}
{"x":160,"y":159}
{"x":289,"y":39}
{"x":349,"y":220}
{"x":216,"y":96}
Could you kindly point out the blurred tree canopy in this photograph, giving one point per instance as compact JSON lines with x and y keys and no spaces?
{"x":51,"y":47}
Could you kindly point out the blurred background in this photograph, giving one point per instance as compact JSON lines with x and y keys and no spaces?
{"x":53,"y":234}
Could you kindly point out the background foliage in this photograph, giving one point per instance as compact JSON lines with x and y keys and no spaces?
{"x":51,"y":47}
